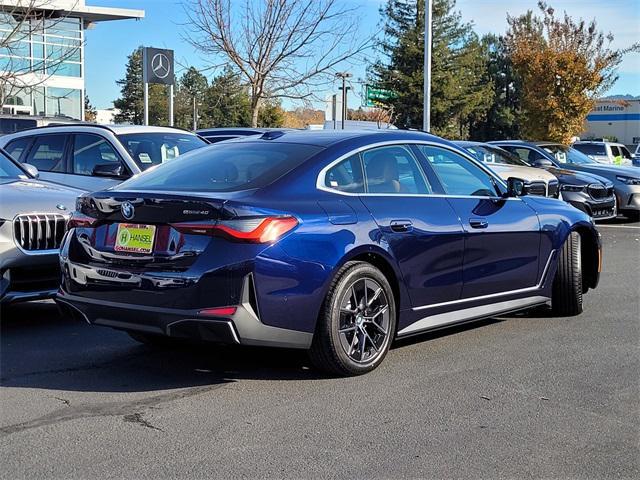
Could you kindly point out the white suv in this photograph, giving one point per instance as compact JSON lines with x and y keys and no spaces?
{"x":605,"y":152}
{"x":93,"y":157}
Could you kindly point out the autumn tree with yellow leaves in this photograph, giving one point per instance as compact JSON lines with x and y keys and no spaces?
{"x":564,"y":66}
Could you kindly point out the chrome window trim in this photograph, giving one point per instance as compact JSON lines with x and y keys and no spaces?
{"x":321,"y":176}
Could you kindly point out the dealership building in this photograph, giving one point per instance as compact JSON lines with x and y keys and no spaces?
{"x":47,"y":57}
{"x":614,"y":118}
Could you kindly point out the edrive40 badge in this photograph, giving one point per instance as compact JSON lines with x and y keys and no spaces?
{"x":128,"y":210}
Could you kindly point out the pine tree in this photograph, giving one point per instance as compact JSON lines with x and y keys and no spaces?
{"x":501,"y":121}
{"x":227,"y":102}
{"x":192,"y":85}
{"x":461,"y":91}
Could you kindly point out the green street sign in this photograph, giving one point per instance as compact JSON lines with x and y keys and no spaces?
{"x":376,"y":96}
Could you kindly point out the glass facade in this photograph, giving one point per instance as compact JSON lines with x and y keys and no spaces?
{"x":50,"y":47}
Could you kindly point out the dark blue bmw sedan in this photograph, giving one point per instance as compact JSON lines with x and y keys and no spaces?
{"x":335,"y":242}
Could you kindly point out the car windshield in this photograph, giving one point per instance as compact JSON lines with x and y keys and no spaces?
{"x":149,"y":149}
{"x":569,"y":155}
{"x":225,"y":167}
{"x":8,"y":169}
{"x":496,"y":155}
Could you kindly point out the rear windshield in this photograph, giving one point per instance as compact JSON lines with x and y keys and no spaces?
{"x":591,"y":148}
{"x":149,"y":149}
{"x":225,"y":167}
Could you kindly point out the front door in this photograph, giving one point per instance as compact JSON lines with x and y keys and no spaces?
{"x":502,"y":235}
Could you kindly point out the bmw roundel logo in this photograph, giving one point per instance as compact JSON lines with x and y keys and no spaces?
{"x":127,"y":210}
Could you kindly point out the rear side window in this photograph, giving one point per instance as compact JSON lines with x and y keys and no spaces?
{"x":89,"y":151}
{"x":591,"y":148}
{"x":393,"y":170}
{"x":47,"y":153}
{"x":346,"y":176}
{"x":226,"y":167}
{"x":16,"y":147}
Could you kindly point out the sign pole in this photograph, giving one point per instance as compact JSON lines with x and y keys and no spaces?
{"x":145,"y":82}
{"x":426,"y":114}
{"x":171,"y":105}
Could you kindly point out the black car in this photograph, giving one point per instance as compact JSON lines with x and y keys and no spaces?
{"x":585,"y":191}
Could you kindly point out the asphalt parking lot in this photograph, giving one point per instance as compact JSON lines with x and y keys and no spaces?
{"x":516,"y":397}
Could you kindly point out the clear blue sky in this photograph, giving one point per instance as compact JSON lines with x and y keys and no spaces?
{"x":109,"y":43}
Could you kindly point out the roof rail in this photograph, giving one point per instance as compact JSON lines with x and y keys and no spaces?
{"x":62,"y":125}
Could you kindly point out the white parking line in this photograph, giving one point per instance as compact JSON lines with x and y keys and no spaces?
{"x":615,"y":226}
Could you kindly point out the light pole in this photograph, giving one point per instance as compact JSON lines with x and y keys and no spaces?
{"x":426,"y":113}
{"x":344,"y":76}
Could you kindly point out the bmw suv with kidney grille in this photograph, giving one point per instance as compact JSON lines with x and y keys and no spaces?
{"x":33,"y":221}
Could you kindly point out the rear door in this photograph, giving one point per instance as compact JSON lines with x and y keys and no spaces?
{"x":502,"y":235}
{"x":421,"y":229}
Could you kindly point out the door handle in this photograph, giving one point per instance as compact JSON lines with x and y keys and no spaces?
{"x":401,"y":226}
{"x":478,"y":222}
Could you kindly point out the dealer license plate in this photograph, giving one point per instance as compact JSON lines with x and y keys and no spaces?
{"x":135,"y":238}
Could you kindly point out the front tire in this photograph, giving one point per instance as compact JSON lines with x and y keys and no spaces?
{"x":566,"y":298}
{"x":357,"y":322}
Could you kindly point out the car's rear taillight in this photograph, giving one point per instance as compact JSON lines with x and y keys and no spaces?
{"x":80,"y":220}
{"x":251,"y":230}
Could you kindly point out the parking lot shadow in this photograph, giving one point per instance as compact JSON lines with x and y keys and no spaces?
{"x":41,"y":349}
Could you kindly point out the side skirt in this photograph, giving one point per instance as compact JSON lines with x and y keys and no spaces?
{"x":473,"y":313}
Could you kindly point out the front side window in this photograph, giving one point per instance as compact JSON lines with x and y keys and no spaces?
{"x":393,"y":169}
{"x":346,"y":176}
{"x":89,"y":151}
{"x":615,"y":151}
{"x":149,"y":149}
{"x":458,"y":175}
{"x":47,"y":154}
{"x":226,"y":167}
{"x":625,"y":153}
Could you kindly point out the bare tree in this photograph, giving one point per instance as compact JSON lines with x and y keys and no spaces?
{"x":282,"y":48}
{"x":20,"y":68}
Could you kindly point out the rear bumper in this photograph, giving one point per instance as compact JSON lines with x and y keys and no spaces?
{"x":243,"y":327}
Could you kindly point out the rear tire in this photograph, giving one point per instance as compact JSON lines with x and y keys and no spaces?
{"x":357,"y":322}
{"x":566,"y":298}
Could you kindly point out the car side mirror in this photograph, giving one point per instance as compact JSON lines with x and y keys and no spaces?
{"x":542,"y":163}
{"x":31,"y":170}
{"x":109,"y":170}
{"x":516,"y":187}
